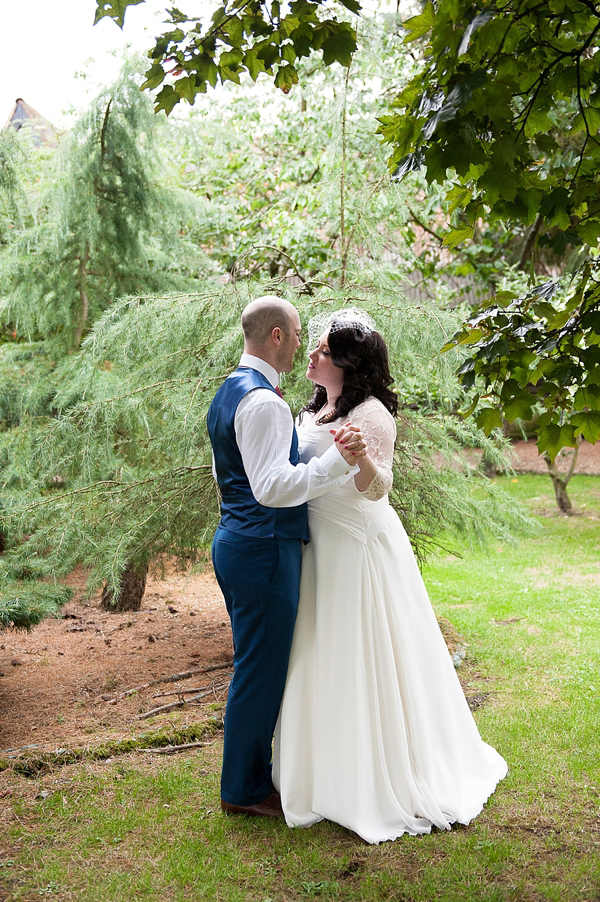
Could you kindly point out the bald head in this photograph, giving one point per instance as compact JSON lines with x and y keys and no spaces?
{"x":272,"y":331}
{"x":263,"y":315}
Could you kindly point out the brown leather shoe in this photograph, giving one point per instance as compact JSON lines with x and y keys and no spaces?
{"x":269,"y":807}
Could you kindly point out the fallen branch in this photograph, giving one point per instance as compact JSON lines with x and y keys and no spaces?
{"x":179,"y":704}
{"x":173,"y":749}
{"x":173,"y":679}
{"x":179,"y":691}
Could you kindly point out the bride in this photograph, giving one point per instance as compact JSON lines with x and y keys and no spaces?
{"x":374,"y":731}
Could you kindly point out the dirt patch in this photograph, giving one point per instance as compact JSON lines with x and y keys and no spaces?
{"x":567,"y":577}
{"x":60,"y":683}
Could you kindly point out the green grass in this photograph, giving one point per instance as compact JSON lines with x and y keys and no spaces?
{"x":132,"y":828}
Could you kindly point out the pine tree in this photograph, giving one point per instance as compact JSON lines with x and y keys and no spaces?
{"x":100,"y":226}
{"x":104,"y":228}
{"x":130,"y":457}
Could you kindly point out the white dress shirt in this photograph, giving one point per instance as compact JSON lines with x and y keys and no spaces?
{"x":263,"y":429}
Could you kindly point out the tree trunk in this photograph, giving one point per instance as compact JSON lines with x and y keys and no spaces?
{"x":344,"y":245}
{"x":560,"y":490}
{"x":560,"y":482}
{"x":81,"y":283}
{"x":530,"y":241}
{"x":131,"y":590}
{"x":488,"y":467}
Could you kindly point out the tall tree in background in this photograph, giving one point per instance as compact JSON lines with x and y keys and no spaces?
{"x":101,"y":227}
{"x":261,"y":200}
{"x":507,"y":109}
{"x":104,"y":228}
{"x":299,"y":186}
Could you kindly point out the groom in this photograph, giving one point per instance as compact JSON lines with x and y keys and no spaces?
{"x":258,"y":543}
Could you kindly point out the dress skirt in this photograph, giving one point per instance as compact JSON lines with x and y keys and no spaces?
{"x":374,"y":731}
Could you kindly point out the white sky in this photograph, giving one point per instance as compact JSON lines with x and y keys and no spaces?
{"x":47,"y":46}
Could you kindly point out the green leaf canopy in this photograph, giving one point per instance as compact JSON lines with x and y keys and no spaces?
{"x":248,"y":36}
{"x":503,"y":83}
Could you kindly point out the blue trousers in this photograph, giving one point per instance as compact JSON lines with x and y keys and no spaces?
{"x":260,"y":581}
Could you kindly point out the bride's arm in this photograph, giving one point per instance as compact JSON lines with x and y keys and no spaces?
{"x":375,"y":477}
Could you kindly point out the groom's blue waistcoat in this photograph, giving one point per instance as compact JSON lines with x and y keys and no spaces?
{"x":240,"y":511}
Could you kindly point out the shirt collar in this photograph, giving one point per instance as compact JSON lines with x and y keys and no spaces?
{"x":257,"y":363}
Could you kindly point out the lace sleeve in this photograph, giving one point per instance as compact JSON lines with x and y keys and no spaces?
{"x":379,"y":429}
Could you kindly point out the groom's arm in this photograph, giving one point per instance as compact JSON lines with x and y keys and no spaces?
{"x":263,"y":428}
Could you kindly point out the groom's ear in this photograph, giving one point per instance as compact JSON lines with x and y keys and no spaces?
{"x":277,"y":335}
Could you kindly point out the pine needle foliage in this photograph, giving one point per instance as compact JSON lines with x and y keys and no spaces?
{"x":10,"y":189}
{"x":127,"y":461}
{"x":27,"y":605}
{"x":103,"y":228}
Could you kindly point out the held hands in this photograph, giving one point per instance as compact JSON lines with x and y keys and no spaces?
{"x":351,"y":443}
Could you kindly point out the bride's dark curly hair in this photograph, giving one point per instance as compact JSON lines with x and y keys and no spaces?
{"x":364,"y":358}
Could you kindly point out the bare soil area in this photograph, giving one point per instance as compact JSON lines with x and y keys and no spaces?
{"x":60,"y":683}
{"x":64,"y":683}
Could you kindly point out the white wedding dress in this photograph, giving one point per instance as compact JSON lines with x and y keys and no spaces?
{"x":374,"y":731}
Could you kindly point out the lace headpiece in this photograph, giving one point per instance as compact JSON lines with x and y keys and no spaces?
{"x":352,"y":318}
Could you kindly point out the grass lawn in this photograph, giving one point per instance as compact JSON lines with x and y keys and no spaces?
{"x":132,"y":828}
